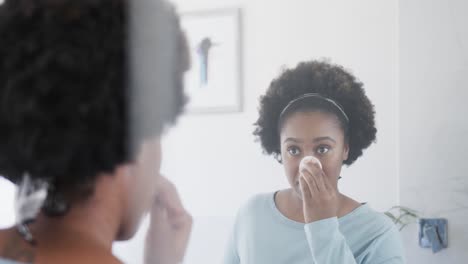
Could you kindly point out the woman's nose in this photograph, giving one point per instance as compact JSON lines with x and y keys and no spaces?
{"x":309,"y":153}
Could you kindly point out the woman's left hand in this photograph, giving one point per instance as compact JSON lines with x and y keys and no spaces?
{"x":170,"y":227}
{"x":319,"y":194}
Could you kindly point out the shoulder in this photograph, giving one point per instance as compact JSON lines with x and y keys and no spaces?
{"x":13,"y":248}
{"x":257,"y":203}
{"x":377,"y":225}
{"x":78,"y":257}
{"x":254,"y":209}
{"x":368,"y":221}
{"x":379,"y":219}
{"x":385,"y":236}
{"x":69,"y":256}
{"x":90,"y":258}
{"x":4,"y":233}
{"x":9,"y":240}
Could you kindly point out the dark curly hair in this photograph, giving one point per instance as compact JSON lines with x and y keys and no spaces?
{"x":64,"y":84}
{"x":330,"y":81}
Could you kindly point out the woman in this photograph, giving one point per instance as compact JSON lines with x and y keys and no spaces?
{"x":85,"y":179}
{"x":314,"y":119}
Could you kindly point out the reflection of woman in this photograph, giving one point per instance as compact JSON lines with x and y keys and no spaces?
{"x":320,"y":111}
{"x":64,"y":136}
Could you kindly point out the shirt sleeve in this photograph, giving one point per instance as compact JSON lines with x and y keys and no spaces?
{"x":328,"y":245}
{"x":326,"y":242}
{"x":230,"y":254}
{"x":390,"y":249}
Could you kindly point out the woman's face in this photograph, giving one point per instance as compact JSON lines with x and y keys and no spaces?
{"x":141,"y":184}
{"x":315,"y":134}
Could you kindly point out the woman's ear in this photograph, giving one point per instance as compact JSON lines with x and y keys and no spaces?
{"x":346,"y":152}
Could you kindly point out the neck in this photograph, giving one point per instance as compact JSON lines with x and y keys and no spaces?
{"x":91,"y":223}
{"x":292,"y":205}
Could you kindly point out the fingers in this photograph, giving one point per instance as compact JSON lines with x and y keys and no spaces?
{"x":314,"y":176}
{"x":169,"y":198}
{"x":319,"y":198}
{"x":305,"y":190}
{"x":328,"y":185}
{"x":169,"y":201}
{"x":310,"y":181}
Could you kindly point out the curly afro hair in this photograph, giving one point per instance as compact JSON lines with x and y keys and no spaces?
{"x":330,"y":81}
{"x":64,"y":84}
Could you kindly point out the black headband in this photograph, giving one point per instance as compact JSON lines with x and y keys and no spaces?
{"x":314,"y":95}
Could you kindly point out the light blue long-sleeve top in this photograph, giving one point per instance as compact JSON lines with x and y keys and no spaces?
{"x":263,"y":235}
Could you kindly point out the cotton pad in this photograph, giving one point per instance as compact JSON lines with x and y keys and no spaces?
{"x":309,"y":159}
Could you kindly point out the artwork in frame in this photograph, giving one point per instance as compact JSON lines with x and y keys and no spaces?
{"x":214,"y":81}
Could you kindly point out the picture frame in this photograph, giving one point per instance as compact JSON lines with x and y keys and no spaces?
{"x":214,"y":82}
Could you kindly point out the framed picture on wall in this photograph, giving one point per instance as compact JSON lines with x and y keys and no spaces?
{"x":214,"y":81}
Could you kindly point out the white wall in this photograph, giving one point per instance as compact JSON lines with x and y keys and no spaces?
{"x":433,"y":120}
{"x":213,"y":158}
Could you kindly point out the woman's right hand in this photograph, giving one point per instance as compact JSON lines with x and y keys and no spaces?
{"x":170,"y":227}
{"x":320,"y":195}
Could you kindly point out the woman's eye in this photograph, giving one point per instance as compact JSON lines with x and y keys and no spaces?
{"x":294,"y":151}
{"x":323,"y":150}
